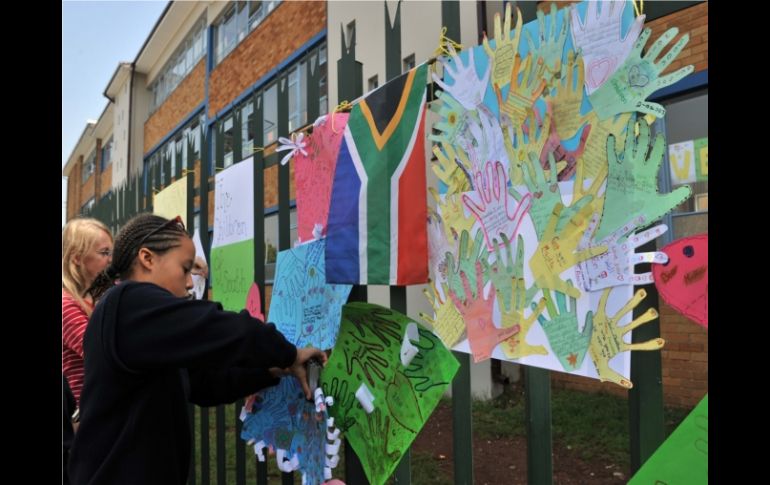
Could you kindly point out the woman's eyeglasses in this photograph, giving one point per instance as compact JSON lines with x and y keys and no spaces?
{"x":176,"y":221}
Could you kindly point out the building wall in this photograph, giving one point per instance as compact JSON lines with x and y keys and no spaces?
{"x":186,"y":97}
{"x":140,"y":108}
{"x":420,"y":29}
{"x":285,"y":30}
{"x":105,"y":180}
{"x":74,"y":187}
{"x":693,"y":20}
{"x":120,"y":136}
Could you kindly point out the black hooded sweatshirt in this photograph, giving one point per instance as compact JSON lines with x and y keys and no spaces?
{"x":148,"y":353}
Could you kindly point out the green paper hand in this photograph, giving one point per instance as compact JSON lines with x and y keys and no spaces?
{"x":639,"y":76}
{"x":568,"y":343}
{"x":632,"y":182}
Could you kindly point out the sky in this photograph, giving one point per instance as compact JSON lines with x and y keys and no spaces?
{"x":96,"y":37}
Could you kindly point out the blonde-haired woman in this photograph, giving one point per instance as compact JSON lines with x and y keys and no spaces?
{"x":86,"y":252}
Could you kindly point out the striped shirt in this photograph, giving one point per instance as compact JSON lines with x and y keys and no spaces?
{"x":73,"y":325}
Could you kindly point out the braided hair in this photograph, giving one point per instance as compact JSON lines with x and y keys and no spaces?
{"x":142,"y":231}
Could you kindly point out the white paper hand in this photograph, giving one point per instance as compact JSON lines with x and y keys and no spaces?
{"x":599,"y":39}
{"x":616,"y":266}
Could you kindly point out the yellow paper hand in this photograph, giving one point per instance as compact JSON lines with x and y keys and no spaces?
{"x":516,"y":346}
{"x":522,"y":94}
{"x":452,"y":168}
{"x":452,"y":211}
{"x":607,"y":337}
{"x":501,"y":57}
{"x":568,"y":98}
{"x":556,"y":252}
{"x":448,"y":323}
{"x":595,"y":153}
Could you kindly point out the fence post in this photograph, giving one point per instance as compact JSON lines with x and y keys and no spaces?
{"x":538,"y":410}
{"x":645,"y":399}
{"x":462,"y":421}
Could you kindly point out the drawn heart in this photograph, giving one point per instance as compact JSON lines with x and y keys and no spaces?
{"x":683,"y":281}
{"x":636,"y":78}
{"x":599,"y":71}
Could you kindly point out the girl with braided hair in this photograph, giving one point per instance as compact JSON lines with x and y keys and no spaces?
{"x":86,"y":250}
{"x":150,"y":349}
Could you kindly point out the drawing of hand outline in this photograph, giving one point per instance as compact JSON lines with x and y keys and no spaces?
{"x":490,"y":204}
{"x":607,"y":337}
{"x":483,"y":335}
{"x":601,"y":59}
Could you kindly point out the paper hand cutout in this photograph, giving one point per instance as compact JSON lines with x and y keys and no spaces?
{"x":437,"y":248}
{"x":550,"y":47}
{"x":616,"y":266}
{"x":491,"y":206}
{"x":452,"y":210}
{"x":568,"y":343}
{"x":638,"y":77}
{"x":452,"y":121}
{"x":468,"y":89}
{"x":545,"y":194}
{"x":501,"y":57}
{"x":607,"y":337}
{"x":522,"y":94}
{"x":568,"y":98}
{"x":594,"y":158}
{"x":517,"y":346}
{"x":556,"y":252}
{"x":483,"y":141}
{"x":448,"y":323}
{"x":632,"y":182}
{"x":452,"y":168}
{"x":467,"y":258}
{"x":599,"y":39}
{"x":483,"y":336}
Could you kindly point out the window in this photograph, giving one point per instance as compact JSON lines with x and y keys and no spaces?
{"x":408,"y":63}
{"x":87,"y":206}
{"x":270,"y":114}
{"x":295,"y":78}
{"x":89,"y":165}
{"x":247,"y":129}
{"x":235,"y":24}
{"x":227,"y":140}
{"x":241,"y":20}
{"x":373,"y":83}
{"x":184,"y":139}
{"x":271,"y":240}
{"x":181,"y":62}
{"x":179,"y":155}
{"x":323,"y":88}
{"x":298,"y":96}
{"x":106,"y":154}
{"x":686,"y":128}
{"x":258,"y":10}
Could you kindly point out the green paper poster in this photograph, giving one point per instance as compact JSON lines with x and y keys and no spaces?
{"x":366,"y":368}
{"x":683,"y":457}
{"x":232,"y":273}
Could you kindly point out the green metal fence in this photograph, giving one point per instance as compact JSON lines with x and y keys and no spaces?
{"x":645,"y":399}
